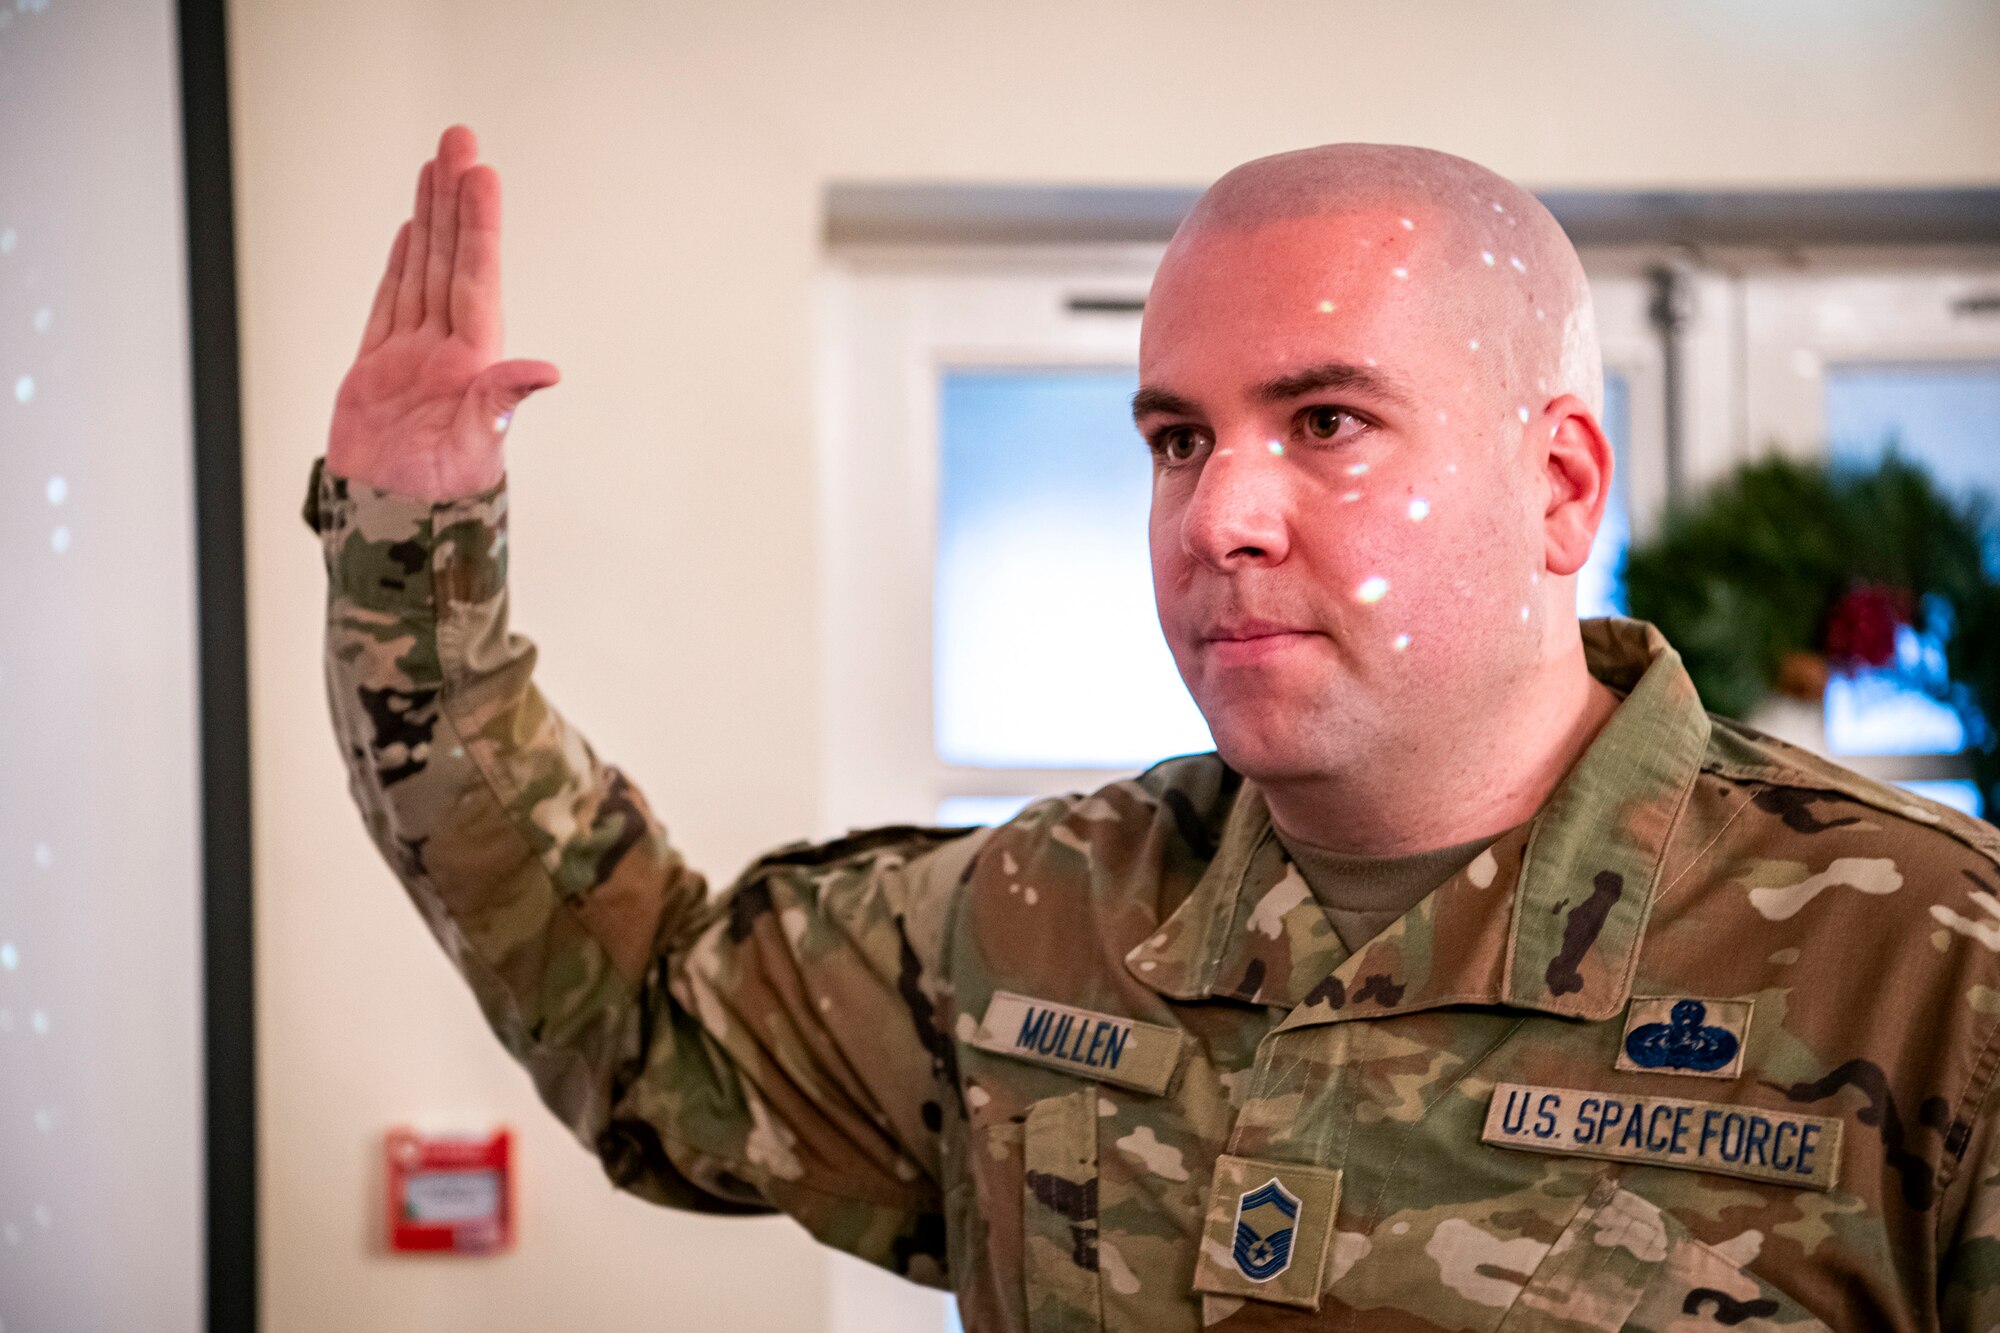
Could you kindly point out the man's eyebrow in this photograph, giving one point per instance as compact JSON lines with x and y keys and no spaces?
{"x":1335,"y":375}
{"x":1338,"y":376}
{"x":1148,"y":402}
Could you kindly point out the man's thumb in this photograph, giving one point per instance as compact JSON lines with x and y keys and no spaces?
{"x":502,"y":385}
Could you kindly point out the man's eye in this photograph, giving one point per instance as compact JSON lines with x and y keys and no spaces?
{"x":1329,"y":423}
{"x":1177,"y":444}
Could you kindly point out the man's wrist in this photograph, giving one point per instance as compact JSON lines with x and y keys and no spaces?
{"x":395,"y":552}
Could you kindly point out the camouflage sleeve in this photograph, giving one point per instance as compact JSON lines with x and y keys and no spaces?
{"x":776,"y":1047}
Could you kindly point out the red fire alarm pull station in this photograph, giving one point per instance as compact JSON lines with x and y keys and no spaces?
{"x":450,"y":1192}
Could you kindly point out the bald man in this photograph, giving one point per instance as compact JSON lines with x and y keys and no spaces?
{"x":1479,"y":979}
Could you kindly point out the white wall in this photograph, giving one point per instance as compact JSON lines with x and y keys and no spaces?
{"x":663,"y":165}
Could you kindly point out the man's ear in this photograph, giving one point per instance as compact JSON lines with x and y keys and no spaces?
{"x":1579,"y":462}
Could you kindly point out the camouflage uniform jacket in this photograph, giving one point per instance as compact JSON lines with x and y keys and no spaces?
{"x":1708,"y":1043}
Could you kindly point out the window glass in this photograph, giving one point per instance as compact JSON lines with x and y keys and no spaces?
{"x":1048,"y":651}
{"x":954,"y":811}
{"x":1947,"y":417}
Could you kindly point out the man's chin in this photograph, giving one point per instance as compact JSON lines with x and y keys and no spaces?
{"x":1270,"y":752}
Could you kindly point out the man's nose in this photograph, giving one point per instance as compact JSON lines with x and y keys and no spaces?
{"x":1240,"y":511}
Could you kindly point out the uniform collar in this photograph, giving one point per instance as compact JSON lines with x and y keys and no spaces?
{"x":1549,"y":918}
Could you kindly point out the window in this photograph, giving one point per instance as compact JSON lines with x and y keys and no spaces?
{"x":1945,"y":415}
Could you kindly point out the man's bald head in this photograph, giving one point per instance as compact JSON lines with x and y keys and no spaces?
{"x":1370,"y":383}
{"x":1482,"y":252}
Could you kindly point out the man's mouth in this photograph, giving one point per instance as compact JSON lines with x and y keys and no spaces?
{"x":1247,"y":642}
{"x":1237,"y":631}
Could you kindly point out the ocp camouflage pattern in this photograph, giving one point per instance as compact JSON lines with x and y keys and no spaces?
{"x":810,"y":1040}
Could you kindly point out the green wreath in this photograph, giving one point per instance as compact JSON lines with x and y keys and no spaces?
{"x":1787,"y":572}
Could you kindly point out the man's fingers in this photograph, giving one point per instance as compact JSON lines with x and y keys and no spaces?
{"x":456,"y":151}
{"x":382,"y":315}
{"x":416,"y":253}
{"x":475,"y":278}
{"x":502,"y":386}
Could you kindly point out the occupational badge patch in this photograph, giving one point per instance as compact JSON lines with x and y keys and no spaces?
{"x":1264,"y":1222}
{"x":1669,"y":1034}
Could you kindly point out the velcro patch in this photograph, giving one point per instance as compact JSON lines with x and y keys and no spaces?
{"x":1267,"y":1231}
{"x":1779,"y":1147}
{"x":1105,"y":1047}
{"x":1674,"y":1034}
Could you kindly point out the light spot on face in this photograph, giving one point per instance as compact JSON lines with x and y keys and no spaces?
{"x":1522,"y":412}
{"x":1357,"y":469}
{"x":1224,"y":453}
{"x":1350,"y":497}
{"x":1409,"y":225}
{"x":1400,"y":642}
{"x":1451,"y":467}
{"x":1524,"y":614}
{"x":1372,"y":590}
{"x":1539,"y":314}
{"x":1326,"y":307}
{"x":1487,"y":256}
{"x":1275,"y":448}
{"x":1497,"y":208}
{"x":1443,"y":417}
{"x":500,"y":422}
{"x":1420,"y":509}
{"x":1473,"y":343}
{"x":1399,"y":272}
{"x":1515,"y":260}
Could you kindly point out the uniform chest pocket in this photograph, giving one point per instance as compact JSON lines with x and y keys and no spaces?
{"x":1623,"y":1262}
{"x":1059,"y":1218}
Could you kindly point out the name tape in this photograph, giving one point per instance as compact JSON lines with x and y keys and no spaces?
{"x":1080,"y":1041}
{"x":1780,"y":1147}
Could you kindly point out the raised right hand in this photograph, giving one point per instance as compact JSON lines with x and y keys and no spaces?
{"x":425,"y":406}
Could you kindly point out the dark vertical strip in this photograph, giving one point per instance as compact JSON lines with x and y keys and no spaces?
{"x":229,"y":1033}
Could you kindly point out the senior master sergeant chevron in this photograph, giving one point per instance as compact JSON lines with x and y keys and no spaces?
{"x":1480,"y":980}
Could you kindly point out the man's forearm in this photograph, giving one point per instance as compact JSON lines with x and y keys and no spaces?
{"x":538,"y":867}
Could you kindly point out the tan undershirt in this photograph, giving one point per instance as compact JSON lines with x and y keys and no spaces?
{"x":1362,"y":895}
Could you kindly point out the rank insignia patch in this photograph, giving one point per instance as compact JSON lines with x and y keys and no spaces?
{"x":1667,"y":1034}
{"x":1267,"y":1231}
{"x":1264,"y":1218}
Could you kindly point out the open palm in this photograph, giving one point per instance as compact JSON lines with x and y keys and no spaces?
{"x":425,"y":406}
